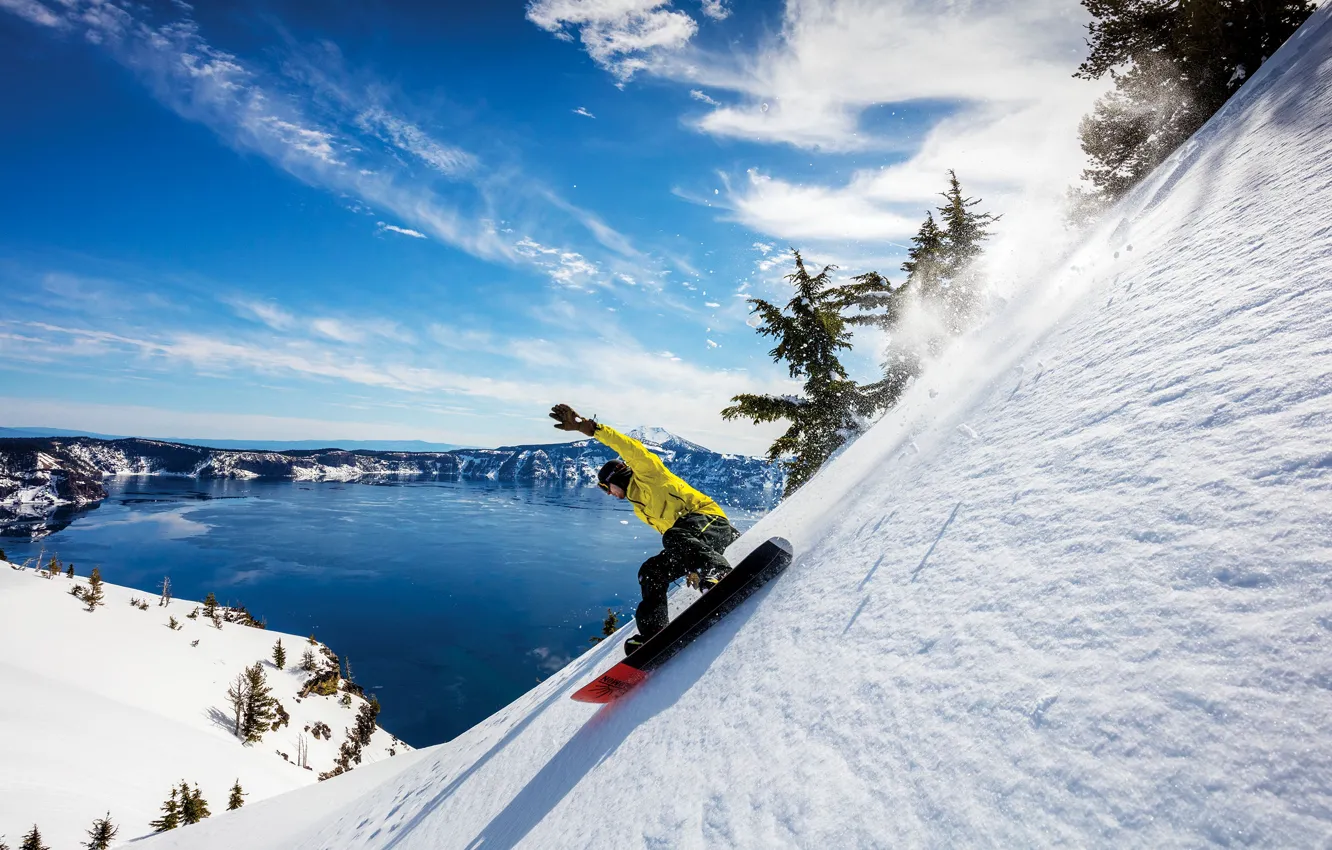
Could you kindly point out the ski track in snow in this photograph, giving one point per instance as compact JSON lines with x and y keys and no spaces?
{"x":1106,"y":623}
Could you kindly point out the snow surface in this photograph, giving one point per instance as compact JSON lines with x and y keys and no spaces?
{"x":1080,"y":598}
{"x":106,"y":711}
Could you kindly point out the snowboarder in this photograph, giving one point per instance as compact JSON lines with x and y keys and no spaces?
{"x":694,"y":530}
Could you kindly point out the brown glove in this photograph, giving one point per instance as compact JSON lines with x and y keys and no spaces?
{"x":566,"y":419}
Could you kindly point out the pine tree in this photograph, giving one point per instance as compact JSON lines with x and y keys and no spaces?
{"x":365,"y":720}
{"x":312,"y":639}
{"x":53,"y":567}
{"x":102,"y":833}
{"x":964,"y":231}
{"x":1184,"y":60}
{"x":93,"y":596}
{"x":33,"y":840}
{"x":308,"y":661}
{"x":279,"y":655}
{"x":69,"y":571}
{"x":210,"y":606}
{"x":3,"y":557}
{"x":193,"y":806}
{"x":258,"y":711}
{"x":610,"y":624}
{"x":809,"y":332}
{"x":237,"y":798}
{"x":347,"y":663}
{"x":170,"y":818}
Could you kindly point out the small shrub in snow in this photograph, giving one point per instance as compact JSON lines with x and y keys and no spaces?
{"x":173,"y":624}
{"x":365,"y":721}
{"x":308,"y":661}
{"x":346,"y":700}
{"x":93,"y":595}
{"x":102,"y":833}
{"x":311,"y":638}
{"x":193,"y":615}
{"x":237,"y":798}
{"x":321,"y":730}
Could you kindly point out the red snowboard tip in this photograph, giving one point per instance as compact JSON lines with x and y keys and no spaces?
{"x":614,"y":683}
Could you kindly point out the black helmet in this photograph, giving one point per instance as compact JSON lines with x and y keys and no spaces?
{"x":615,"y":472}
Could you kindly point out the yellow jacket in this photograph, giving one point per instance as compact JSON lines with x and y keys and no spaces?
{"x":660,"y":497}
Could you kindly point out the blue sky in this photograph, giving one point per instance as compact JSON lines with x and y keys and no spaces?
{"x":433,"y":220}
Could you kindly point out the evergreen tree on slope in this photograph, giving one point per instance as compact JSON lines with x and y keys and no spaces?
{"x":810,"y":332}
{"x":170,"y":818}
{"x":93,"y":596}
{"x":33,"y":840}
{"x":102,"y":833}
{"x":1184,"y":59}
{"x":237,"y":798}
{"x":258,"y":711}
{"x":193,"y":806}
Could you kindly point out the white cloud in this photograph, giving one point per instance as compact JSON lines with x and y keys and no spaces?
{"x":325,"y":126}
{"x":702,"y":96}
{"x":622,"y":36}
{"x":407,"y":137}
{"x":583,"y":112}
{"x":595,"y":364}
{"x":568,"y":268}
{"x":393,"y":228}
{"x":33,"y":12}
{"x":270,"y":314}
{"x":715,"y":9}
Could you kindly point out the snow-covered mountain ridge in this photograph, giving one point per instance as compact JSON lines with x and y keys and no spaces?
{"x":1078,"y":596}
{"x":39,"y":474}
{"x":107,"y":710}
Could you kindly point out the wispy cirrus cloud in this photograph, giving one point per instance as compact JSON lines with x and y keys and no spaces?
{"x":405,"y":231}
{"x":582,"y":110}
{"x":327,"y":128}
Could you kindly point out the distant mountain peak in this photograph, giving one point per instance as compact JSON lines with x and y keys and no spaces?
{"x":661,"y":437}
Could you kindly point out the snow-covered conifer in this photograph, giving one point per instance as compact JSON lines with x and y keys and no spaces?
{"x":279,"y":655}
{"x":210,"y":605}
{"x":102,"y":833}
{"x":33,"y":840}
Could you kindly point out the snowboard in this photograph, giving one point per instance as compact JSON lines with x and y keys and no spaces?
{"x":756,"y":570}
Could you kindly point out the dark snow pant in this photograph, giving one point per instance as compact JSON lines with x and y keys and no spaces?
{"x":693,"y":545}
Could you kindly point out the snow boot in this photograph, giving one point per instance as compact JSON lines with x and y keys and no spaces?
{"x":633,"y":643}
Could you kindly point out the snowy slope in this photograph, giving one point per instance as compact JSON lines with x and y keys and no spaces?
{"x":1080,"y":599}
{"x":107,"y":710}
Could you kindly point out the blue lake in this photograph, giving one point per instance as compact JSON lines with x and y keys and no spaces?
{"x":450,"y":599}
